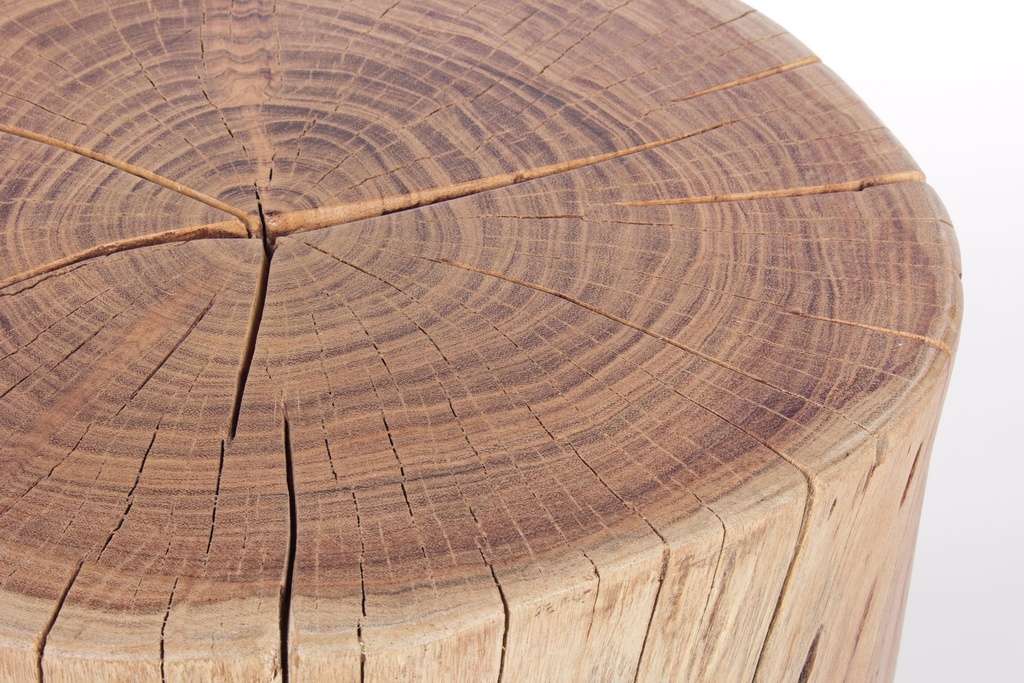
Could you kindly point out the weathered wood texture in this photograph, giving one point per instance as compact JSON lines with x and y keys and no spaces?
{"x":430,"y":340}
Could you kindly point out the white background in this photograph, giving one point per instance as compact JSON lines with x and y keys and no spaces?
{"x":947,"y":79}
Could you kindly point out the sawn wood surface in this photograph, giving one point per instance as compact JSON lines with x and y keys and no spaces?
{"x":455,"y":341}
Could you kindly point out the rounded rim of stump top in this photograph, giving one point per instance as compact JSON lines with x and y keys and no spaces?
{"x":480,"y":341}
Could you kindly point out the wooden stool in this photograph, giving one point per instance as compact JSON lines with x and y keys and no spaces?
{"x":455,"y":341}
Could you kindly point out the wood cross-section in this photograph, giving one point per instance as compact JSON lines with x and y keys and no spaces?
{"x":476,"y":341}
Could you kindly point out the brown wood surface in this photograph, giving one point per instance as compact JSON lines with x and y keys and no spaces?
{"x":444,"y":341}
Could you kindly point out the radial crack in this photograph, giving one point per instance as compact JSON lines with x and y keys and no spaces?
{"x":137,"y":171}
{"x":224,"y":229}
{"x":937,"y":343}
{"x":181,"y":340}
{"x":751,"y":78}
{"x":654,"y":610}
{"x":216,"y":500}
{"x":53,"y":618}
{"x":163,"y":631}
{"x":801,"y":542}
{"x":130,"y":498}
{"x":255,"y":319}
{"x":327,"y":216}
{"x":781,"y":193}
{"x":41,"y":280}
{"x":505,"y":609}
{"x":286,"y":587}
{"x":910,"y":477}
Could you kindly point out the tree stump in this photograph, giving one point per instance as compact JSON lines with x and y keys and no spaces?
{"x":445,"y":341}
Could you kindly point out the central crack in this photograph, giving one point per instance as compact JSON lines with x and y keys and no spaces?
{"x":269,"y":239}
{"x":255,"y":317}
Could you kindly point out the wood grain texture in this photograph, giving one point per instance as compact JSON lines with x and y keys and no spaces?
{"x":501,"y":341}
